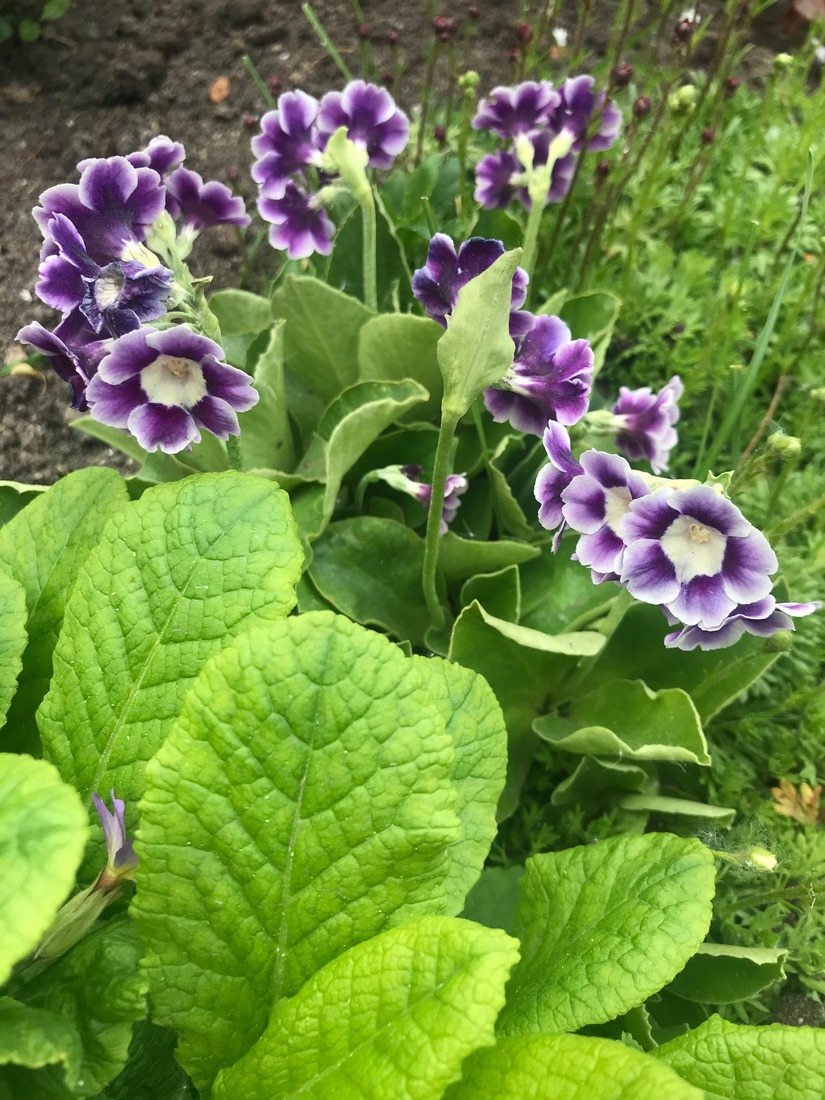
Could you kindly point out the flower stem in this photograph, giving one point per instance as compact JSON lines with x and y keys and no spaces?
{"x":441,"y":470}
{"x":368,"y":236}
{"x":234,"y":453}
{"x":531,"y":237}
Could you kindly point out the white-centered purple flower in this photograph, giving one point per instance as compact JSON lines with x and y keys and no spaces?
{"x":578,"y":106}
{"x":122,"y":862}
{"x":455,"y":486}
{"x":73,"y":350}
{"x":198,"y":205}
{"x":762,"y":618}
{"x":298,"y":224}
{"x":550,"y":379}
{"x":163,"y":387}
{"x":288,"y":144}
{"x":594,"y":503}
{"x":647,"y":422}
{"x":554,"y":477}
{"x":436,"y":285}
{"x":693,"y":552}
{"x":500,"y":176}
{"x":371,"y":118}
{"x":508,"y":112}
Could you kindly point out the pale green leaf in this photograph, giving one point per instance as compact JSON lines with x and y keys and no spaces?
{"x":394,"y":346}
{"x":302,"y":803}
{"x":493,"y":900}
{"x":605,"y":926}
{"x":625,"y":718}
{"x":461,"y":558}
{"x":735,"y":1062}
{"x":152,"y":1071}
{"x":266,"y":437}
{"x":393,"y":1017}
{"x":175,"y":576}
{"x":43,"y":548}
{"x":596,"y":777}
{"x":566,"y":1067}
{"x":239,"y":312}
{"x":720,"y":973}
{"x":116,"y":438}
{"x":592,"y":315}
{"x":33,"y":1038}
{"x":557,"y":593}
{"x":43,"y":830}
{"x":498,"y":593}
{"x":682,"y":807}
{"x":13,"y":639}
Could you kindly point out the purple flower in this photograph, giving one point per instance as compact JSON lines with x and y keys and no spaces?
{"x":165,"y":386}
{"x":73,"y":349}
{"x":112,"y":208}
{"x":454,"y":486}
{"x":161,"y":154}
{"x":694,"y":552}
{"x":508,"y":112}
{"x":371,"y":118}
{"x":114,"y":298}
{"x":299,"y":225}
{"x":554,"y":478}
{"x":201,"y":205}
{"x":500,"y":177}
{"x":289,"y":143}
{"x":550,"y":379}
{"x":647,"y":422}
{"x":594,"y":503}
{"x":122,"y":861}
{"x":436,"y":285}
{"x":579,"y":104}
{"x":762,"y":617}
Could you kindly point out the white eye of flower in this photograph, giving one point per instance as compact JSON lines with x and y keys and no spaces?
{"x":108,"y":287}
{"x":694,"y":550}
{"x":170,"y":380}
{"x":139,"y":254}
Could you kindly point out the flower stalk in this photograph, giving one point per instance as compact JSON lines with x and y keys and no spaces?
{"x":441,"y":470}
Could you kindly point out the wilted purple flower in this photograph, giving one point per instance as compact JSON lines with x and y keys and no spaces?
{"x":162,"y":154}
{"x":122,"y":861}
{"x":554,"y":478}
{"x":762,"y":617}
{"x":163,"y":387}
{"x":436,"y":285}
{"x":579,"y":104}
{"x":300,"y":225}
{"x":371,"y":118}
{"x":73,"y":349}
{"x":594,"y":503}
{"x":508,"y":112}
{"x":114,"y":298}
{"x":647,"y":430}
{"x":201,"y":205}
{"x":289,"y":143}
{"x":694,"y":552}
{"x":550,"y":379}
{"x":454,"y":486}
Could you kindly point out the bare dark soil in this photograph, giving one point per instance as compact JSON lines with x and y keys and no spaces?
{"x":111,"y":75}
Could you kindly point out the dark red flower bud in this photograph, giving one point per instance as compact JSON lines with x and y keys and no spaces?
{"x":515,"y":56}
{"x":524,"y":33}
{"x":707,"y":136}
{"x":274,"y":83}
{"x":363,"y":31}
{"x":444,"y":36}
{"x":443,"y":27}
{"x":249,"y":121}
{"x":641,"y":107}
{"x":683,"y":31}
{"x":474,"y":11}
{"x":440,"y":135}
{"x":388,"y":78}
{"x":730,"y":85}
{"x":621,"y":75}
{"x":603,"y":169}
{"x":392,"y":38}
{"x":232,"y":173}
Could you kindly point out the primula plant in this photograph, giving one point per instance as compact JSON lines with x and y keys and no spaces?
{"x":276,"y":702}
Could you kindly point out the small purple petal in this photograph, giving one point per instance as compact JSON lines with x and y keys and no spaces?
{"x":164,"y":427}
{"x":508,"y":112}
{"x":298,"y":227}
{"x":371,"y":118}
{"x":648,"y":431}
{"x":217,"y":416}
{"x":554,"y":478}
{"x":648,"y":573}
{"x":202,"y":205}
{"x":436,"y":285}
{"x":497,"y":180}
{"x":161,"y":154}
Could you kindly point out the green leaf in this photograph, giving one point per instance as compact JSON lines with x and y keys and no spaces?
{"x":625,"y":718}
{"x":493,"y":900}
{"x":557,"y":593}
{"x":43,"y":829}
{"x":239,"y":312}
{"x":321,"y":335}
{"x":43,"y":548}
{"x":595,"y":777}
{"x":151,"y":1070}
{"x":175,"y":576}
{"x":28,"y":30}
{"x":604,"y":927}
{"x":14,"y":497}
{"x":54,"y":9}
{"x":474,"y":721}
{"x":370,"y":569}
{"x":566,"y":1067}
{"x":721,"y":973}
{"x":393,"y":1017}
{"x":113,"y":437}
{"x":394,"y":346}
{"x":266,"y":437}
{"x":461,"y":558}
{"x":34,"y":1037}
{"x":346,"y":265}
{"x":476,"y":350}
{"x":734,"y":1062}
{"x":683,"y":807}
{"x":592,"y":315}
{"x":98,"y":988}
{"x":302,"y":803}
{"x":498,"y":593}
{"x":510,"y":517}
{"x":13,"y":639}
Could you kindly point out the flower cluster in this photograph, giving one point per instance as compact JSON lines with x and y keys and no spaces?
{"x":99,"y":270}
{"x":683,"y":546}
{"x":292,"y":171}
{"x":542,"y":126}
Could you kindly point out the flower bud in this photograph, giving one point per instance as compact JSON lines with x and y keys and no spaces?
{"x":444,"y":28}
{"x":682,"y":31}
{"x":440,"y":135}
{"x":783,"y":61}
{"x":274,"y":83}
{"x":641,"y":107}
{"x":388,"y":78}
{"x":392,"y":38}
{"x":514,"y":56}
{"x":524,"y":33}
{"x":731,"y":85}
{"x":249,"y":121}
{"x":232,"y":173}
{"x":760,"y":859}
{"x":603,"y":169}
{"x":707,"y":136}
{"x":473,"y":11}
{"x":621,"y":75}
{"x":469,"y":81}
{"x":363,"y":31}
{"x":780,"y":642}
{"x":682,"y":101}
{"x":786,"y":447}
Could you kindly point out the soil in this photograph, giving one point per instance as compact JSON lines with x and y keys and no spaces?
{"x":109,"y":76}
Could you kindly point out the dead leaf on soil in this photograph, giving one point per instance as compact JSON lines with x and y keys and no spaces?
{"x":220,"y":89}
{"x":802,"y":805}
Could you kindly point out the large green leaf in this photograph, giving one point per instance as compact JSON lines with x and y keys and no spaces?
{"x":302,"y":803}
{"x":175,"y":576}
{"x":266,"y":436}
{"x":33,"y":1038}
{"x":604,"y":927}
{"x":43,"y":549}
{"x":681,"y":807}
{"x":13,"y":639}
{"x":556,"y":593}
{"x":474,"y":721}
{"x":393,"y":1017}
{"x":321,"y":336}
{"x":498,"y":593}
{"x":239,"y":312}
{"x":566,"y":1067}
{"x":493,"y":899}
{"x":152,"y":1071}
{"x":592,"y":315}
{"x":720,"y":973}
{"x":394,"y":346}
{"x":370,"y":569}
{"x":98,"y":988}
{"x":625,"y":718}
{"x":43,"y":829}
{"x":734,"y":1062}
{"x":461,"y":558}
